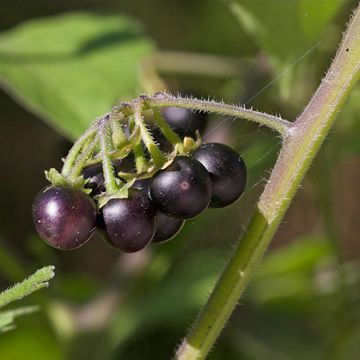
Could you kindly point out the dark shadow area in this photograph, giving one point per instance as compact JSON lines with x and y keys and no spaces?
{"x":99,"y":43}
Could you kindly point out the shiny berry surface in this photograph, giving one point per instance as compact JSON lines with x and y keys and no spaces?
{"x":129,"y":223}
{"x":227,"y":171}
{"x":181,"y":190}
{"x":184,"y":121}
{"x":64,"y":218}
{"x":167,"y":227}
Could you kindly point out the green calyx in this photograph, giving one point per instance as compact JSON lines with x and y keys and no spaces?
{"x":115,"y":136}
{"x":57,"y":179}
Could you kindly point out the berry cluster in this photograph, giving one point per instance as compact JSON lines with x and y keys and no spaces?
{"x":155,"y":208}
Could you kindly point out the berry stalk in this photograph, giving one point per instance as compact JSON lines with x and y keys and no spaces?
{"x":76,"y":148}
{"x":105,"y":145}
{"x":162,"y":100}
{"x":158,"y":157}
{"x":86,"y":153}
{"x":170,"y":135}
{"x":302,"y":141}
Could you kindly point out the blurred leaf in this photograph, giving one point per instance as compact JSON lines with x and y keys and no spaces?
{"x":284,"y":29}
{"x":7,"y":317}
{"x":287,"y":32}
{"x":71,"y":68}
{"x":32,"y":342}
{"x":286,"y":276}
{"x":315,"y":15}
{"x":302,"y":255}
{"x":347,"y":127}
{"x":168,"y":303}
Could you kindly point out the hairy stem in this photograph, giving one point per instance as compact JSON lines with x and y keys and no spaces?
{"x":118,"y":136}
{"x":36,"y":281}
{"x":300,"y":146}
{"x":86,"y":153}
{"x":76,"y":148}
{"x":158,"y":157}
{"x":105,"y":146}
{"x":140,"y":160}
{"x":169,"y":133}
{"x":273,"y":122}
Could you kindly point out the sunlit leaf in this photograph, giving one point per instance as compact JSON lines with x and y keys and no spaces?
{"x":71,"y":68}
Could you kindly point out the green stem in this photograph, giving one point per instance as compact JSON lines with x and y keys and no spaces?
{"x":158,"y":157}
{"x":84,"y":156}
{"x":300,"y":147}
{"x":118,"y":136}
{"x":38,"y":280}
{"x":75,"y":150}
{"x":105,"y":145}
{"x":170,"y":135}
{"x":162,"y":100}
{"x":140,"y":161}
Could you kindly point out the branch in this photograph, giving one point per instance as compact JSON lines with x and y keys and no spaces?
{"x":304,"y":139}
{"x":162,"y":100}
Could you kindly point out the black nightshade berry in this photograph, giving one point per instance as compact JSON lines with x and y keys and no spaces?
{"x":184,"y":121}
{"x":64,"y":217}
{"x":129,"y":223}
{"x":167,"y":227}
{"x":183,"y":189}
{"x":227,"y":171}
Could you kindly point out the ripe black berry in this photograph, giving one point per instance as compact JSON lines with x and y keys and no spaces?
{"x":183,"y":189}
{"x":167,"y":227}
{"x":184,"y":121}
{"x":64,"y":217}
{"x":227,"y":171}
{"x":129,"y":223}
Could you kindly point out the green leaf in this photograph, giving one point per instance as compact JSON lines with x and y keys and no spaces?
{"x":287,"y":32}
{"x":286,"y":276}
{"x":71,"y":68}
{"x":168,"y":302}
{"x":348,"y":127}
{"x":7,"y":317}
{"x":301,"y":256}
{"x":31,"y":341}
{"x":284,"y":29}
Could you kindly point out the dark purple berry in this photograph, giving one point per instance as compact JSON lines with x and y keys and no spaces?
{"x":184,"y":121}
{"x":129,"y":223}
{"x":227,"y":171}
{"x":64,"y":217}
{"x":167,"y":227}
{"x":183,"y":189}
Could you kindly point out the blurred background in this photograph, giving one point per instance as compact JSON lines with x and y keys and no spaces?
{"x":62,"y":63}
